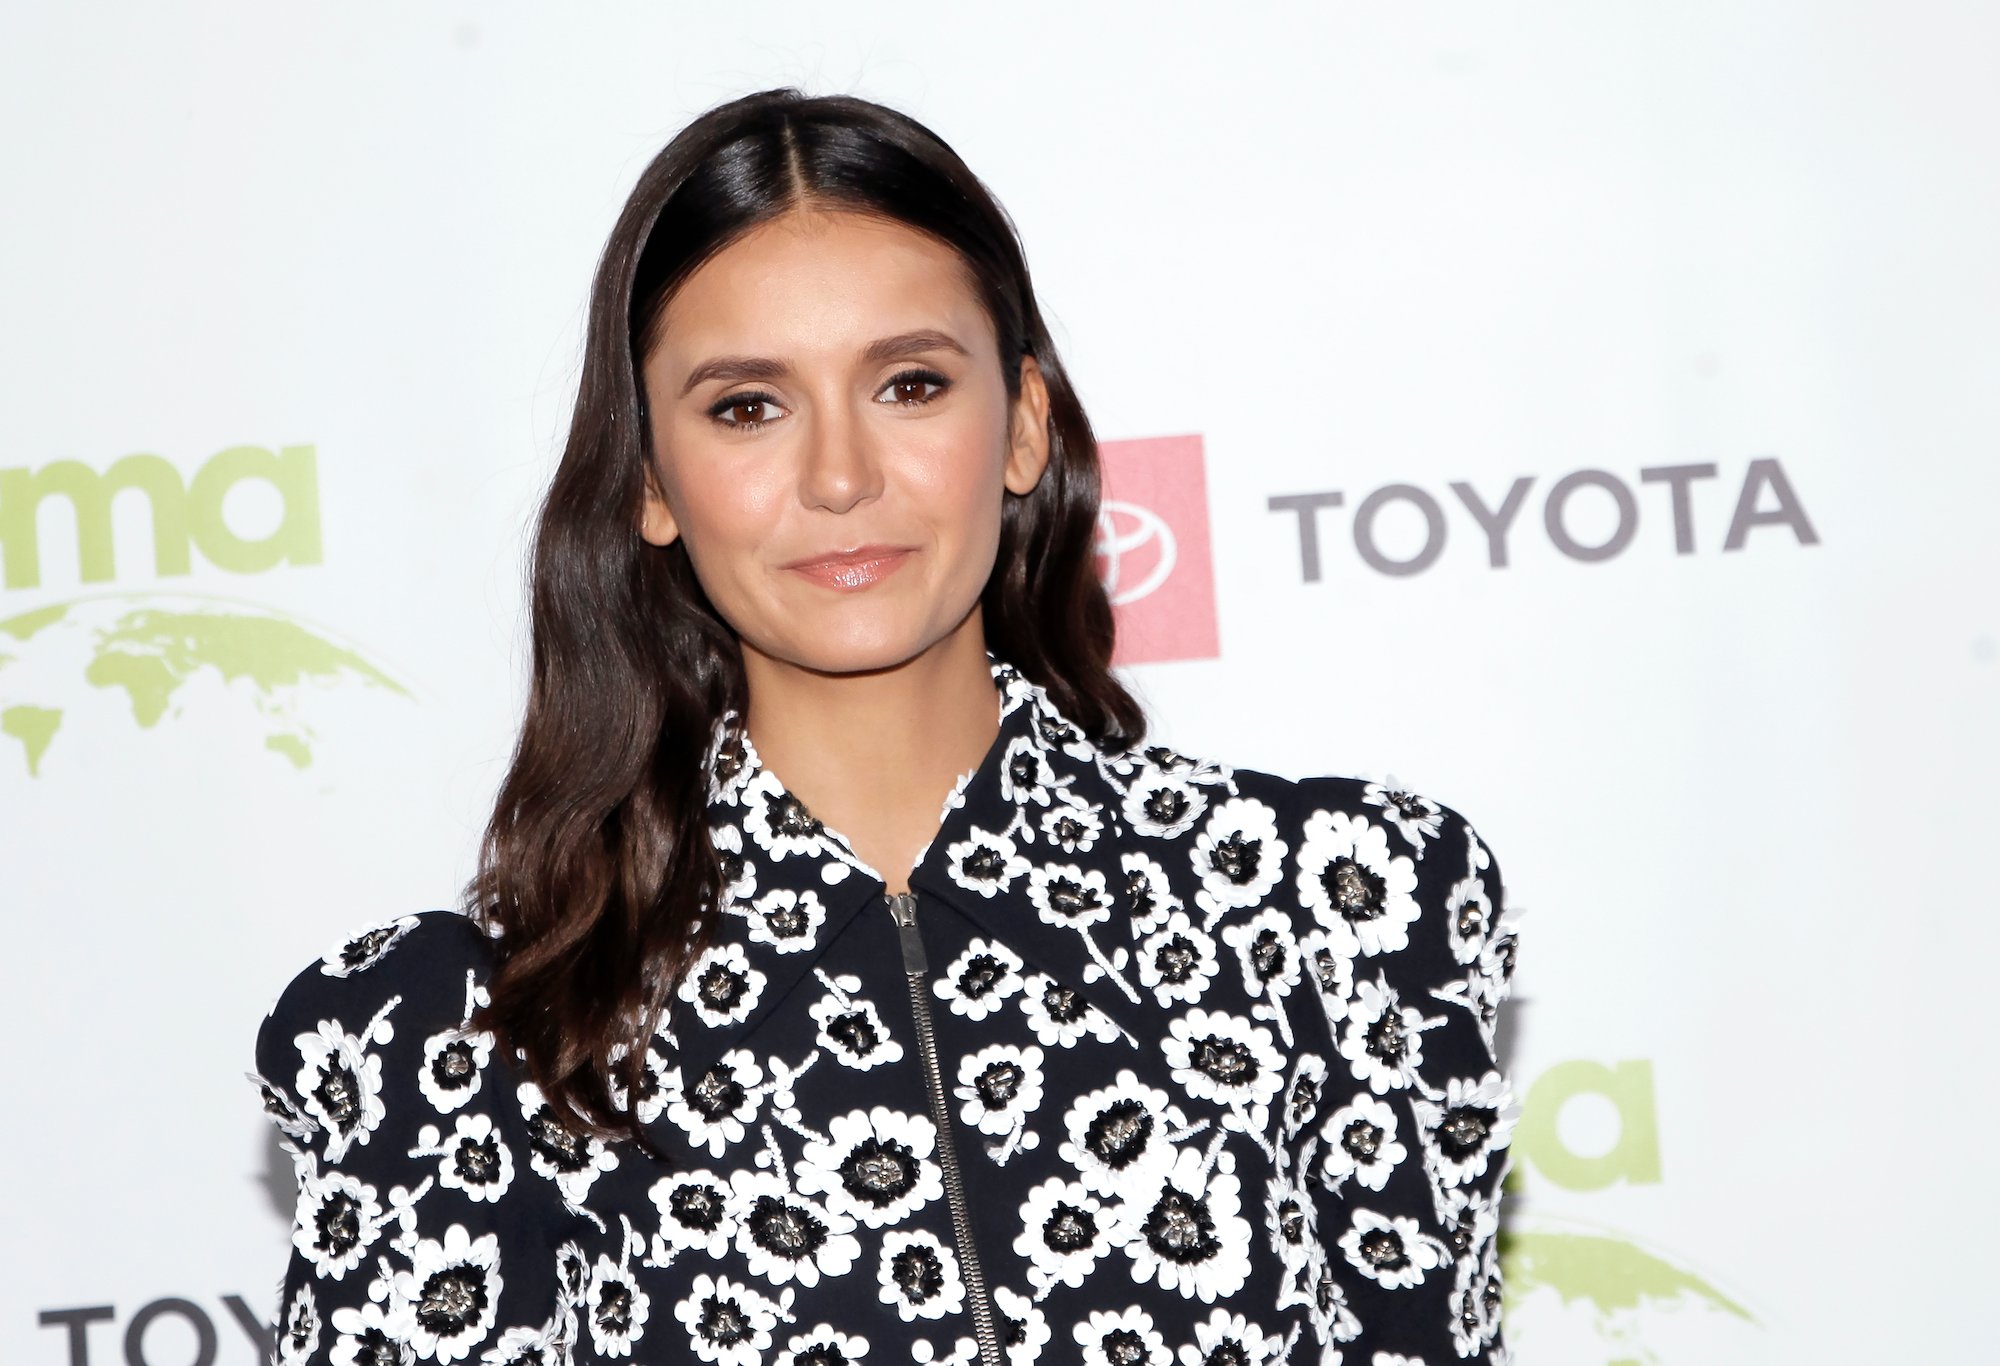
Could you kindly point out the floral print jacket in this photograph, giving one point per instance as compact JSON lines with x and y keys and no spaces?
{"x":1159,"y":1063}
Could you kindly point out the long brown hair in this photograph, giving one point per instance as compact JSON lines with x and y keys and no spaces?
{"x":596,"y":867}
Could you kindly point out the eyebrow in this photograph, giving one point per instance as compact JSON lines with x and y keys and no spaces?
{"x":733,"y":368}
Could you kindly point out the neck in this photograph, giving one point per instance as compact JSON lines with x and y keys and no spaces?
{"x":873,"y":753}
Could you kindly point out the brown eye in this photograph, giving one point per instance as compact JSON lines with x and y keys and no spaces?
{"x":907,"y":389}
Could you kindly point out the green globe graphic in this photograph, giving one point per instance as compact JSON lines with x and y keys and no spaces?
{"x":149,"y":647}
{"x":1618,"y":1286}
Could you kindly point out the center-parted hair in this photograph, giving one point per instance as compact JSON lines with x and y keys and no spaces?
{"x":596,"y":871}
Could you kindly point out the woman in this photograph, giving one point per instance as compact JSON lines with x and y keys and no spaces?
{"x":985,"y":1033}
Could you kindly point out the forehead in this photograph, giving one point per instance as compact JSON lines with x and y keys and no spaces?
{"x":814,"y":280}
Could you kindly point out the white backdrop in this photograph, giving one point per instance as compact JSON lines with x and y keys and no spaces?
{"x":1738,"y":778}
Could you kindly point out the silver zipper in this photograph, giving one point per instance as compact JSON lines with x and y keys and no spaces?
{"x":903,"y":906}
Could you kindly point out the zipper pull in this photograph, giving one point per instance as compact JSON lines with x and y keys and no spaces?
{"x":903,"y":906}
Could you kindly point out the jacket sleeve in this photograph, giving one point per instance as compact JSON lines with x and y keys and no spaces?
{"x":421,"y":1231}
{"x":1408,"y":945}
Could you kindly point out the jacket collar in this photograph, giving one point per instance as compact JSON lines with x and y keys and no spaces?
{"x":1032,"y":848}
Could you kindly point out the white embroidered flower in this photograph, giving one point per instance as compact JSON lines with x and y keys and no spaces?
{"x":615,"y":1308}
{"x":1124,"y":1337}
{"x":1163,"y":805}
{"x":1146,"y":895}
{"x":694,"y":1214}
{"x":1303,"y":1093}
{"x":1060,"y":1017}
{"x":452,"y":1289}
{"x":1177,"y":961}
{"x":557,"y":1151}
{"x":1064,"y":1231}
{"x":1231,"y":1338}
{"x":1329,"y":970}
{"x":852,"y":1032}
{"x":1265,"y":952}
{"x":1237,"y":855}
{"x":777,"y":822}
{"x":876,"y":1167}
{"x":652,"y":1081}
{"x":1025,"y":776}
{"x":1357,"y":891}
{"x":727,"y":1322}
{"x":1383,"y":1040}
{"x":1000,"y":1086}
{"x":525,"y":1347}
{"x":1069,"y":897}
{"x":985,"y":862}
{"x":298,"y":1335}
{"x":338,"y":1217}
{"x":1473,"y":1119}
{"x":454,"y":1062}
{"x":786,"y":920}
{"x":340,"y":1083}
{"x":823,"y":1345}
{"x":980,"y":980}
{"x":474,"y":1159}
{"x":722,"y":986}
{"x":1071,"y":824}
{"x":1360,"y":1142}
{"x":366,"y":949}
{"x":1289,"y":1218}
{"x":787,"y":1237}
{"x":1186,"y":1234}
{"x":1224,"y":1058}
{"x":1391,"y":1249}
{"x":1118,"y":1137}
{"x":919,"y":1275}
{"x":372,"y":1335}
{"x":1024,"y":1328}
{"x":1416,"y":818}
{"x":715,"y":1107}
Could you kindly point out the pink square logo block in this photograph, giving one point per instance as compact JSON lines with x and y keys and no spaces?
{"x":1153,"y":549}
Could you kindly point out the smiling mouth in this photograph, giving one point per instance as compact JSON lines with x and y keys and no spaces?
{"x":857,"y":569}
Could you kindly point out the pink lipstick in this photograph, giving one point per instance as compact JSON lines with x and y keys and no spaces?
{"x":853,"y":569}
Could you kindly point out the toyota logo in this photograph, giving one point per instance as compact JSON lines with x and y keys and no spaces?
{"x":1127,"y":529}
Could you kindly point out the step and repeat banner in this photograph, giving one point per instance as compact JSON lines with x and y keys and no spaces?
{"x":1586,"y":415}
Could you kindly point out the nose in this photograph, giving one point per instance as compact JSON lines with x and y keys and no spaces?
{"x":839,"y":466}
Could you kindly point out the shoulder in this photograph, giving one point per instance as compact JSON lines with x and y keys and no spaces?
{"x":409,"y":981}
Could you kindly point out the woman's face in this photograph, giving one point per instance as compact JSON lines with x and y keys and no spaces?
{"x":831,"y":381}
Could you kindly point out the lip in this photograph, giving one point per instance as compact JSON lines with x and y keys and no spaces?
{"x":852,"y":569}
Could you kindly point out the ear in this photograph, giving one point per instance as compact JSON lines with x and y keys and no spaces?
{"x":656,"y":520}
{"x":1028,"y":436}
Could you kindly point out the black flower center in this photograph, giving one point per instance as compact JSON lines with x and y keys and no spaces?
{"x":1355,"y":891}
{"x":373,"y":1348}
{"x":1267,"y":955}
{"x":1176,"y":959}
{"x":1119,"y":1133}
{"x":854,"y":1032}
{"x":452,"y":1068}
{"x":879,"y":1171}
{"x":477,"y":1161}
{"x":560,"y":1148}
{"x":1228,"y":1352}
{"x":1180,"y":1228}
{"x":787,"y":921}
{"x":983,"y":864}
{"x":1465,"y":1129}
{"x":452,"y":1300}
{"x":820,"y":1354}
{"x":1383,"y":1248}
{"x":696,"y":1206}
{"x":337,"y":1224}
{"x":788,"y":816}
{"x":1123,"y":1347}
{"x":1063,"y":1004}
{"x":918,"y":1273}
{"x":1386,"y":1039}
{"x":1000,"y":1083}
{"x":1291,"y":1222}
{"x":1068,"y":830}
{"x":1228,"y":1061}
{"x":1069,"y":1228}
{"x":718,"y":1093}
{"x":339,"y":1095}
{"x":360,"y":949}
{"x":981,"y":976}
{"x":614,"y":1308}
{"x":785,"y":1230}
{"x":1165,"y":805}
{"x":723,"y":1321}
{"x":1070,"y":899}
{"x":1362,"y":1140}
{"x":721,"y":987}
{"x":1471,"y":918}
{"x":1236,"y":857}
